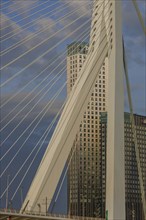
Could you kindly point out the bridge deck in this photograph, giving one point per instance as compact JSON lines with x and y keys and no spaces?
{"x":11,"y":215}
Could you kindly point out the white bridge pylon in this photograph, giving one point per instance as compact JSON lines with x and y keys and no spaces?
{"x":106,"y":44}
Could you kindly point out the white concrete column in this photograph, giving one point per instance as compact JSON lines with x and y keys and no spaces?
{"x":115,"y":176}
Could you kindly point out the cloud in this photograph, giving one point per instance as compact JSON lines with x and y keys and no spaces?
{"x":81,"y":13}
{"x":41,"y":63}
{"x":84,"y":8}
{"x":135,"y":45}
{"x":22,"y":7}
{"x":45,"y":26}
{"x":29,"y":104}
{"x":8,"y":26}
{"x":27,"y":45}
{"x":132,"y":29}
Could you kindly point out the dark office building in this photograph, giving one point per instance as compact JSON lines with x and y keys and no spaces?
{"x":134,"y":208}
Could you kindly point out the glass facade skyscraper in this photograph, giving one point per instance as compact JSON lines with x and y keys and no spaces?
{"x":134,"y":208}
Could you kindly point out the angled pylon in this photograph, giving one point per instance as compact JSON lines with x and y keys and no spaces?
{"x":105,"y":42}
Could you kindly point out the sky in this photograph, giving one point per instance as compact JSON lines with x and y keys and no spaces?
{"x":34,"y":39}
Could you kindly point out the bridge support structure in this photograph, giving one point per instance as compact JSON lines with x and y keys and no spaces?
{"x":107,"y":43}
{"x":115,"y":170}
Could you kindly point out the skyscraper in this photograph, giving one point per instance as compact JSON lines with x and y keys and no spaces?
{"x":84,"y":188}
{"x":134,"y":208}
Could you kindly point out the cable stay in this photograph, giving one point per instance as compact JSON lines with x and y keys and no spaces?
{"x":34,"y":34}
{"x":52,"y":61}
{"x":14,"y":96}
{"x":27,"y":104}
{"x":5,"y":36}
{"x":15,"y":192}
{"x":44,"y":41}
{"x":18,"y":151}
{"x":46,"y":109}
{"x":44,"y":94}
{"x":139,"y":16}
{"x":43,"y":138}
{"x":24,"y":12}
{"x":7,"y":3}
{"x":20,"y":14}
{"x":38,"y":32}
{"x":38,"y":85}
{"x":36,"y":59}
{"x":45,"y":134}
{"x":16,"y":142}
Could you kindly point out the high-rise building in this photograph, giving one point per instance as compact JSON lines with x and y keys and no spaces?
{"x":76,"y":55}
{"x":134,"y":208}
{"x":84,"y":188}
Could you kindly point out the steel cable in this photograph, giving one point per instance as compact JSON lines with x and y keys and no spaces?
{"x":34,"y":34}
{"x":36,"y":60}
{"x":44,"y":79}
{"x":36,"y":46}
{"x":24,"y":12}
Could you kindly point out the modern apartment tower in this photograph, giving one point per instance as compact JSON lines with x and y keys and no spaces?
{"x":84,"y":188}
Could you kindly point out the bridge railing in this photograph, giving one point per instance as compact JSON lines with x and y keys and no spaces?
{"x":14,"y":211}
